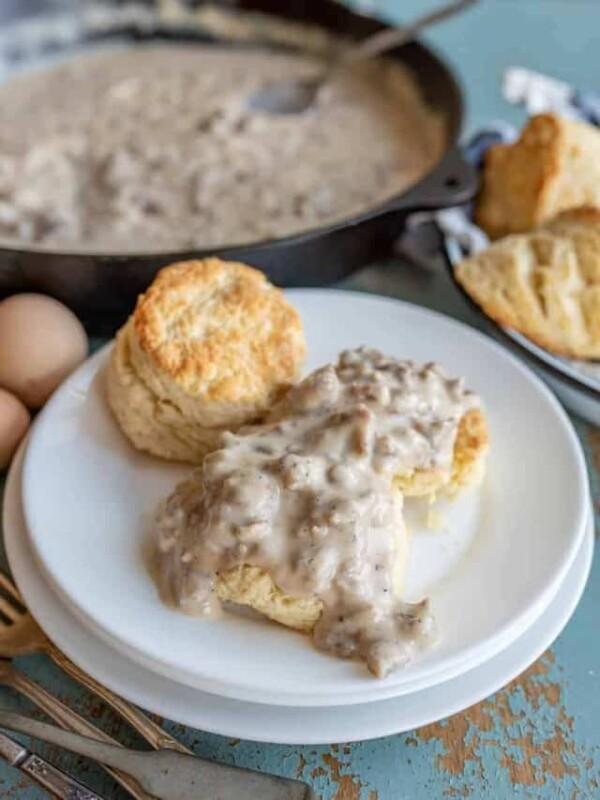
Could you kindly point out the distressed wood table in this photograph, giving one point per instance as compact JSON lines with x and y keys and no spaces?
{"x":540,"y":736}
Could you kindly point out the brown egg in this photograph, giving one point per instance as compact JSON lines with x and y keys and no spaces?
{"x":41,"y":342}
{"x":14,"y":421}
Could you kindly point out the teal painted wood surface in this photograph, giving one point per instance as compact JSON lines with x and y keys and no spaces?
{"x":539,"y":737}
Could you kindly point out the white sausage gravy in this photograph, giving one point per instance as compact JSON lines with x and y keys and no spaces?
{"x":308,"y":497}
{"x":155,"y":148}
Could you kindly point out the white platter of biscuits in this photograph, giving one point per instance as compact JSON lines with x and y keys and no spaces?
{"x":539,"y":280}
{"x":316,"y":499}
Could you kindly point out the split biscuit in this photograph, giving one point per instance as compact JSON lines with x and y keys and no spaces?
{"x":252,"y":586}
{"x":544,"y":284}
{"x":554,"y":166}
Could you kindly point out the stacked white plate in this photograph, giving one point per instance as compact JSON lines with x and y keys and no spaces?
{"x":503,"y":577}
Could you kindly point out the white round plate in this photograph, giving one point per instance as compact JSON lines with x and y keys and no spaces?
{"x":277,"y":724}
{"x":88,"y":498}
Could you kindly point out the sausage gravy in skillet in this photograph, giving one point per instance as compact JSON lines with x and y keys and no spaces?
{"x":154,"y":148}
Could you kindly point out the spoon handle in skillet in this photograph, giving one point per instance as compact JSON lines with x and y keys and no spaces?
{"x":394,"y":37}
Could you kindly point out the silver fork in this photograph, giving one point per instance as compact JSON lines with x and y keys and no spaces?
{"x":21,"y":635}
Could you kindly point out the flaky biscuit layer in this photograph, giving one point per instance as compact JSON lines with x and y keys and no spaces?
{"x":210,"y":346}
{"x":544,"y":284}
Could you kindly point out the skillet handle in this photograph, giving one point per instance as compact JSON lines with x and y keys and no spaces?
{"x":453,"y":182}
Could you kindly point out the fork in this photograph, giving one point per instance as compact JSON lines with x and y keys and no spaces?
{"x":65,"y":717}
{"x":21,"y":635}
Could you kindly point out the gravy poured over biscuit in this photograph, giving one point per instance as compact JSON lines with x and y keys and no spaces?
{"x":308,"y":497}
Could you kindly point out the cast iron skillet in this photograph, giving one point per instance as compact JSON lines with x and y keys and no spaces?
{"x":102,"y":289}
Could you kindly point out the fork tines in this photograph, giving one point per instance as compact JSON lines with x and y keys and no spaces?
{"x":9,"y":612}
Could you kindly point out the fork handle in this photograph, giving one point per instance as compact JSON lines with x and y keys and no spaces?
{"x":151,"y":732}
{"x":53,"y":780}
{"x":69,"y":719}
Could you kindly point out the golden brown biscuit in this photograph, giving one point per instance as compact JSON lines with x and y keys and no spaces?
{"x":151,"y":424}
{"x":468,"y":464}
{"x":545,"y":284}
{"x":210,"y":346}
{"x":554,"y":166}
{"x":255,"y":588}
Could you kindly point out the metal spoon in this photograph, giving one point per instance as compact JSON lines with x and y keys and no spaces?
{"x":167,"y":774}
{"x":297,"y":95}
